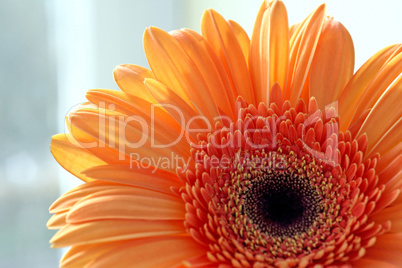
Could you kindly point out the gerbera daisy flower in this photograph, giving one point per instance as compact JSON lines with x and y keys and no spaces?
{"x":238,"y":152}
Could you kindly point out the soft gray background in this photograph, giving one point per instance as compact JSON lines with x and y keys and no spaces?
{"x":52,"y":51}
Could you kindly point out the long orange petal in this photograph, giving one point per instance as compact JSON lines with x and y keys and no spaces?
{"x":255,"y":59}
{"x":365,"y":262}
{"x":385,"y":78}
{"x":190,"y":121}
{"x":333,"y":63}
{"x":388,"y":140}
{"x":173,"y":67}
{"x":127,"y":203}
{"x":80,"y":256}
{"x":241,"y":36}
{"x":70,"y":198}
{"x":200,"y":56}
{"x":216,"y":30}
{"x":132,"y":137}
{"x":130,"y":79}
{"x":219,"y":65}
{"x":278,"y":44}
{"x":71,"y":156}
{"x":387,"y":157}
{"x":95,"y":145}
{"x":273,"y":50}
{"x":292,"y":29}
{"x":390,"y":241}
{"x":389,"y":213}
{"x":57,"y":221}
{"x":155,"y":114}
{"x":148,"y":178}
{"x":113,"y":230}
{"x":122,"y":102}
{"x":387,"y":257}
{"x":302,"y":49}
{"x":354,"y":90}
{"x":392,"y":175}
{"x":386,"y":112}
{"x":171,"y":251}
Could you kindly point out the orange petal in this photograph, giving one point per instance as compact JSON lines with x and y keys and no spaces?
{"x":154,"y":179}
{"x":269,"y":58}
{"x":390,"y":155}
{"x":292,"y":29}
{"x":114,"y":131}
{"x":302,"y":49}
{"x":218,"y":64}
{"x":71,"y":156}
{"x":67,"y":200}
{"x":185,"y":116}
{"x":333,"y":63}
{"x":118,"y":101}
{"x":255,"y":59}
{"x":388,"y":140}
{"x":390,"y":213}
{"x":93,"y":144}
{"x":386,"y":200}
{"x":122,"y":102}
{"x":199,"y":261}
{"x":155,"y":115}
{"x":113,"y":230}
{"x":127,"y":203}
{"x":384,"y":79}
{"x":174,"y":68}
{"x":216,"y":30}
{"x":276,"y":96}
{"x":387,"y":257}
{"x":80,"y":256}
{"x":396,"y":226}
{"x":365,"y":262}
{"x":352,"y":94}
{"x":200,"y":56}
{"x":278,"y":44}
{"x":384,"y":114}
{"x":171,"y":251}
{"x":241,"y":36}
{"x":130,"y":79}
{"x":390,"y":241}
{"x":57,"y":221}
{"x":391,"y":176}
{"x":354,"y":128}
{"x":133,"y":138}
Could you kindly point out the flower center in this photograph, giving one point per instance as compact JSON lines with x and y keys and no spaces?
{"x":280,"y":184}
{"x":282,"y":204}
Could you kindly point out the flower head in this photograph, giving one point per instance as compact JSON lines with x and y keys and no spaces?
{"x":230,"y":151}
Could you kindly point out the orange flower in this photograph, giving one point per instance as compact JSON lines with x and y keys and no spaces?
{"x":270,"y":151}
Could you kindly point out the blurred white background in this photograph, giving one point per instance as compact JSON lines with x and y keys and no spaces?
{"x":53,"y":51}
